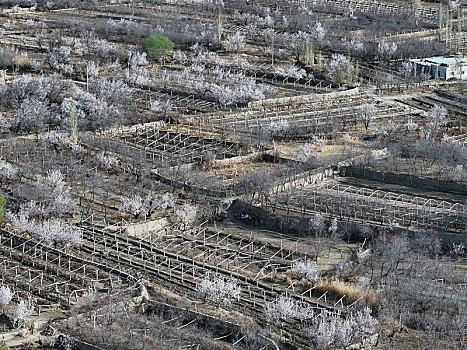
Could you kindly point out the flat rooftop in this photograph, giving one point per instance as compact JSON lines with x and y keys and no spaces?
{"x":446,"y":60}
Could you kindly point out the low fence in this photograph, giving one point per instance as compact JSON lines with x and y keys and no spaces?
{"x":81,"y":345}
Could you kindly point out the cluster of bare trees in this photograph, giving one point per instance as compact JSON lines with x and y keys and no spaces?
{"x":432,"y":153}
{"x":411,"y":278}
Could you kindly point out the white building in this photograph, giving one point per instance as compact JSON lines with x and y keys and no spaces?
{"x":443,"y":68}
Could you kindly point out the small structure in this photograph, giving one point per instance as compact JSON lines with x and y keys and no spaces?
{"x":443,"y":68}
{"x":2,"y":77}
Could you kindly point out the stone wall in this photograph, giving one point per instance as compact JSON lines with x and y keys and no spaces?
{"x":299,"y":226}
{"x":302,"y":98}
{"x":406,"y":180}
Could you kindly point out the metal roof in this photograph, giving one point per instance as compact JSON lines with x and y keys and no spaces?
{"x":446,"y":60}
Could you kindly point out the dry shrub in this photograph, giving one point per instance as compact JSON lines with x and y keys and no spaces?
{"x":303,"y":285}
{"x":222,"y":346}
{"x":247,"y":325}
{"x":22,"y":62}
{"x":248,"y":273}
{"x":278,"y":278}
{"x":351,"y":291}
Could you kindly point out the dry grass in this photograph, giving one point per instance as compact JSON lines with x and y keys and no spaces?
{"x":350,"y":291}
{"x":222,"y":346}
{"x":279,"y":278}
{"x":22,"y":62}
{"x":247,"y":273}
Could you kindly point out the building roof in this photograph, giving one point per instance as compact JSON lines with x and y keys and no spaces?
{"x":446,"y":60}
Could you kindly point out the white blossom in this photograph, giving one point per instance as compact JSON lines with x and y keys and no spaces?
{"x":411,"y":125}
{"x":367,"y":112}
{"x":306,"y":269}
{"x":55,"y":231}
{"x":354,"y":45}
{"x":268,"y":21}
{"x":94,"y":112}
{"x":218,"y":289}
{"x":458,"y":250}
{"x":187,"y":213}
{"x":333,"y":228}
{"x":162,"y":202}
{"x":113,"y":92}
{"x":159,"y":106}
{"x":319,"y":33}
{"x":337,"y":62}
{"x":61,"y":205}
{"x":136,"y":205}
{"x":303,"y":152}
{"x":336,"y":330}
{"x":330,"y":329}
{"x":136,"y":58}
{"x":133,"y":205}
{"x":137,"y":75}
{"x":347,"y":137}
{"x":363,"y":323}
{"x":179,"y":56}
{"x":106,"y":161}
{"x":53,"y":184}
{"x":318,"y":223}
{"x":235,"y":42}
{"x":92,"y":69}
{"x":386,"y":50}
{"x":285,"y":308}
{"x":61,"y":59}
{"x":292,"y":71}
{"x":458,"y":173}
{"x":7,"y":170}
{"x":23,"y":311}
{"x":319,"y":141}
{"x":30,"y":116}
{"x":437,"y":118}
{"x":454,"y":4}
{"x":21,"y":220}
{"x":56,"y":139}
{"x":279,"y":127}
{"x":16,"y":9}
{"x":67,"y":342}
{"x":5,"y":296}
{"x":228,"y":87}
{"x":406,"y":68}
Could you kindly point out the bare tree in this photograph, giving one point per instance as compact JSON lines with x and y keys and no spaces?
{"x":437,"y":118}
{"x":367,"y":114}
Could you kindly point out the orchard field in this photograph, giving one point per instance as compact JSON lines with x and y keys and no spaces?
{"x":208,"y":174}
